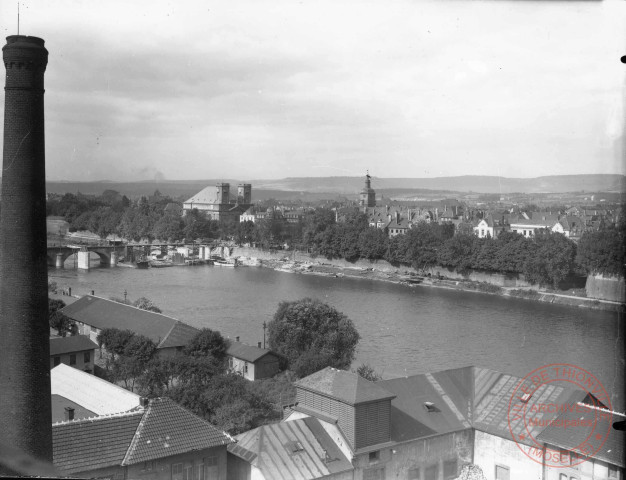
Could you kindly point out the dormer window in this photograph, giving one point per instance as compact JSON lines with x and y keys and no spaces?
{"x":431,"y":407}
{"x":294,"y":447}
{"x":374,"y":456}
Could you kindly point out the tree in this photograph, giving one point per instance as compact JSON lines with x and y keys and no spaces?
{"x":146,"y":304}
{"x":114,"y":340}
{"x":208,"y":343}
{"x":62,"y":324}
{"x":603,"y":251}
{"x":312,"y":335}
{"x":366,"y":371}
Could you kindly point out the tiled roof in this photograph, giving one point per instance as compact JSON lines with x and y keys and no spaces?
{"x":85,"y":445}
{"x":293,"y":450}
{"x":76,"y":343}
{"x":91,"y":392}
{"x":168,"y":429}
{"x":102,"y":313}
{"x":247,"y":352}
{"x":344,"y":386}
{"x":588,"y":422}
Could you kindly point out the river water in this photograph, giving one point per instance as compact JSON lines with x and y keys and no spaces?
{"x":404,"y":330}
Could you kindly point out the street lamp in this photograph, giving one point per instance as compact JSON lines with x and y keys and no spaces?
{"x":125,"y":293}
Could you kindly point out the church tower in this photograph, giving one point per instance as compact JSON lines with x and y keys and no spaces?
{"x":26,"y":420}
{"x":367,"y":198}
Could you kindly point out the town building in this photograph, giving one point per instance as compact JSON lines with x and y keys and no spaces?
{"x":490,"y":227}
{"x":77,"y":351}
{"x":160,"y":440}
{"x":253,"y":363}
{"x":217,"y":202}
{"x":430,"y":426}
{"x":530,"y":224}
{"x":76,"y":395}
{"x":367,"y":197}
{"x":93,"y":314}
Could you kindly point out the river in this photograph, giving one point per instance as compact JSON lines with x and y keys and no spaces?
{"x":404,"y":330}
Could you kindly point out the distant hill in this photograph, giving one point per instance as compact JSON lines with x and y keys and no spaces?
{"x":352,"y":185}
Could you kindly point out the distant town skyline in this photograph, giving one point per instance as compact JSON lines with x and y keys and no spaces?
{"x":260,"y":89}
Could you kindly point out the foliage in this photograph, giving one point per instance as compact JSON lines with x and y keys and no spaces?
{"x":368,"y":373}
{"x":52,"y":286}
{"x":603,"y":252}
{"x":312,"y":335}
{"x":146,"y":304}
{"x":114,"y":340}
{"x":208,"y":343}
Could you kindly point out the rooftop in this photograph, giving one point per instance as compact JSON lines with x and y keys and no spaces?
{"x":294,"y":450}
{"x":247,"y":352}
{"x":102,"y":313}
{"x":76,"y":343}
{"x":90,"y":392}
{"x":344,"y":386}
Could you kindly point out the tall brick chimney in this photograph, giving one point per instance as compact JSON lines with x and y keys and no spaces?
{"x":26,"y":420}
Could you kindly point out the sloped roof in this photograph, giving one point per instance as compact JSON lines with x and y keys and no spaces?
{"x":207,"y":195}
{"x":76,"y":343}
{"x":292,"y":450}
{"x":464,"y":398}
{"x":102,"y":313}
{"x":85,"y":445}
{"x":91,"y":392}
{"x":588,"y":422}
{"x":168,"y":429}
{"x":59,"y":403}
{"x":344,"y":386}
{"x":245,"y":352}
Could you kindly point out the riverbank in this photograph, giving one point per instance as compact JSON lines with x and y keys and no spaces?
{"x":283,"y":263}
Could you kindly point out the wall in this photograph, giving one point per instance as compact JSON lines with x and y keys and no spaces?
{"x":344,"y":412}
{"x":161,"y":469}
{"x":606,"y":288}
{"x":266,"y":367}
{"x":239,"y":366}
{"x":80,"y":360}
{"x":373,"y":422}
{"x":490,"y":451}
{"x":434,"y":455}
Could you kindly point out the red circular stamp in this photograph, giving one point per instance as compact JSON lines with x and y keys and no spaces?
{"x":559,"y":415}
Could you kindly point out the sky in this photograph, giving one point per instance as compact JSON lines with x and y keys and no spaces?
{"x":260,"y":89}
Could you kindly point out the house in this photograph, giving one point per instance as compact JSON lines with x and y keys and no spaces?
{"x":529,"y":225}
{"x":570,"y":226}
{"x":217,"y":203}
{"x":77,"y":394}
{"x":295,"y":450}
{"x":489,"y":227}
{"x":77,"y":351}
{"x":93,"y":314}
{"x":253,"y":363}
{"x":429,"y":426}
{"x":160,"y":440}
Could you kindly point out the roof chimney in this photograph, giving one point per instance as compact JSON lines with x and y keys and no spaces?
{"x":69,"y":413}
{"x":236,"y":339}
{"x":144,"y":402}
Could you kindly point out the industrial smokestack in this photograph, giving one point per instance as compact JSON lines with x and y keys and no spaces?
{"x":26,"y":420}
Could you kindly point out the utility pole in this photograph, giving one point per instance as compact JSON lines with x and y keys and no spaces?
{"x":264,"y":327}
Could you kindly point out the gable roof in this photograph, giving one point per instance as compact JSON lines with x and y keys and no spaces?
{"x":160,"y":430}
{"x":91,"y":392}
{"x":293,"y":450}
{"x":247,"y":352}
{"x":168,"y":429}
{"x":102,"y":313}
{"x":84,"y":445}
{"x":76,"y":343}
{"x":344,"y":386}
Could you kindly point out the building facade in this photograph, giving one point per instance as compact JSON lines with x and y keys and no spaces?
{"x":218,"y":204}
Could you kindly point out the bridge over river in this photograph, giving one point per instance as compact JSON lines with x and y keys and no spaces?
{"x":110,"y":255}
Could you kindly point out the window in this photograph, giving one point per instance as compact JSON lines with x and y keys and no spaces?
{"x":413,"y":473}
{"x":177,"y":471}
{"x":374,"y":456}
{"x":245,"y":367}
{"x":57,"y":360}
{"x":188,"y":472}
{"x":612,"y":471}
{"x":564,"y":457}
{"x":377,"y":473}
{"x":87,"y":357}
{"x":449,"y":469}
{"x":431,"y":473}
{"x":210,"y":461}
{"x":200,"y":471}
{"x":502,"y":472}
{"x":73,"y":359}
{"x":563,"y":477}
